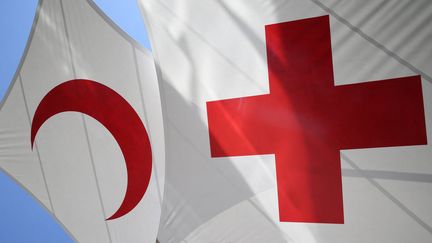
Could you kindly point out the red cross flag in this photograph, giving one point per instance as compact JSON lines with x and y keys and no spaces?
{"x":81,"y":126}
{"x":295,"y":121}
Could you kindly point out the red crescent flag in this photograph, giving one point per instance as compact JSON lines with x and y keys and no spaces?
{"x":82,"y":126}
{"x":295,"y":121}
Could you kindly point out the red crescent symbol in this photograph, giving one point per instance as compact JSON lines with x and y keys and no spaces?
{"x":117,"y":115}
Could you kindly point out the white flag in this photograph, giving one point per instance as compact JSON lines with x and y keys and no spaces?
{"x":81,"y":126}
{"x":295,"y":121}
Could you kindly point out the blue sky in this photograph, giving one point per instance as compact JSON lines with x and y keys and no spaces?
{"x":21,"y":218}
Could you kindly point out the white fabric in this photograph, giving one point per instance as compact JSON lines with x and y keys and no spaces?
{"x":210,"y":50}
{"x":82,"y":182}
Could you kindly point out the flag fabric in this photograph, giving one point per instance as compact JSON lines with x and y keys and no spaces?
{"x":294,"y":121}
{"x":81,"y":126}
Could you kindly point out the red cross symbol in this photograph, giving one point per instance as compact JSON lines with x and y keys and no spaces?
{"x":305,"y":120}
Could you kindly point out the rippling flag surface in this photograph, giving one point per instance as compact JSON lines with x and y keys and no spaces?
{"x":294,"y":121}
